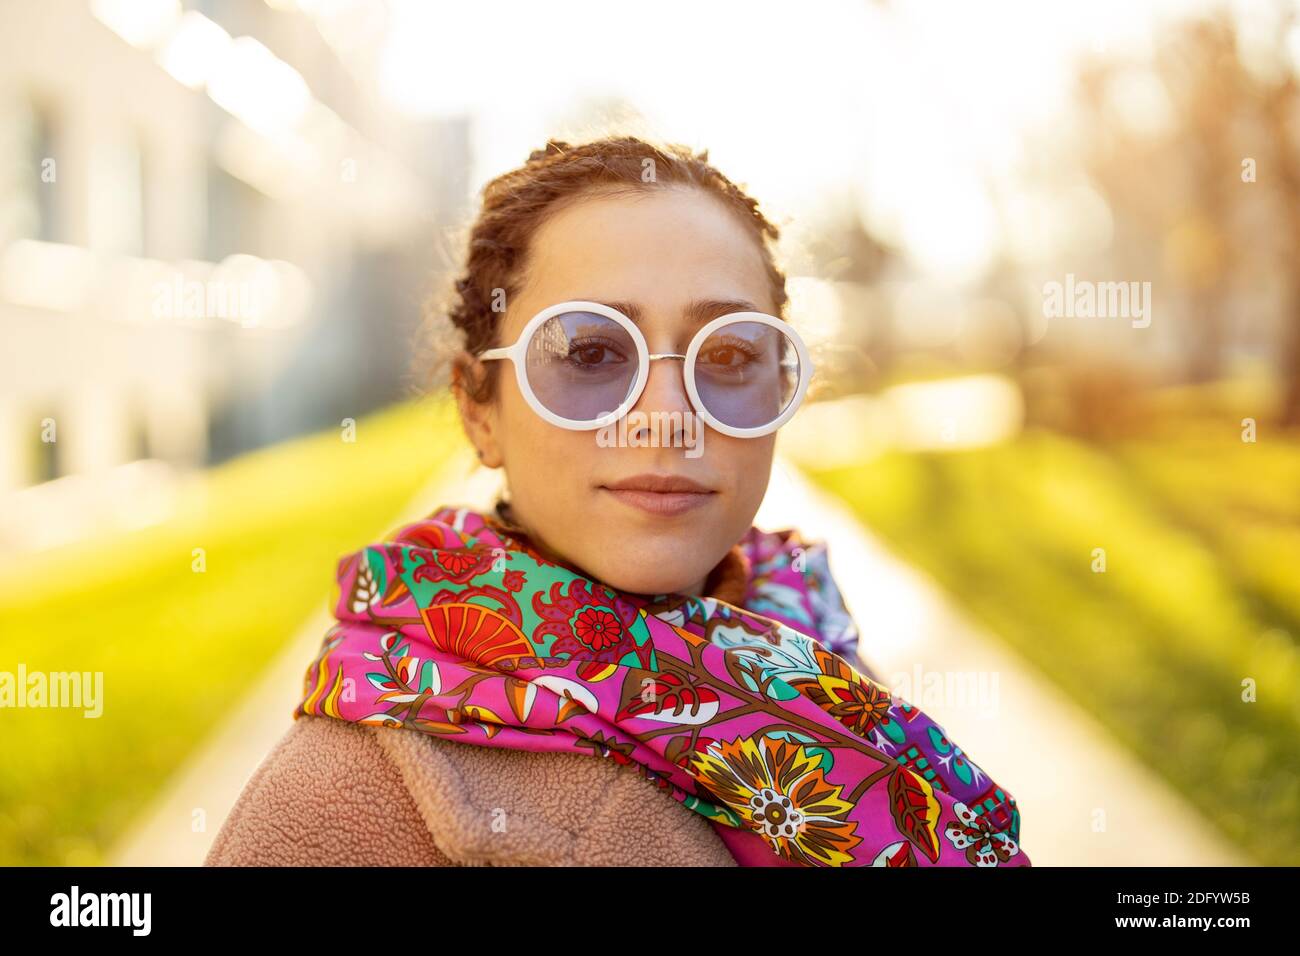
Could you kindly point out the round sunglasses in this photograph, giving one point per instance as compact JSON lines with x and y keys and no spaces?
{"x":583,"y":365}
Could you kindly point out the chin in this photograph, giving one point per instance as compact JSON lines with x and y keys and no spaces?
{"x":658,"y":568}
{"x":650,"y":584}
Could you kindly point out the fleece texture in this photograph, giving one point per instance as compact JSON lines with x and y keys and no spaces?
{"x":333,"y":793}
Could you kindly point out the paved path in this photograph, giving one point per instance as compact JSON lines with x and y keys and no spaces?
{"x":1084,"y":800}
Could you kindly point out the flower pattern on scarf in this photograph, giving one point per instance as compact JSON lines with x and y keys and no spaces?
{"x":575,"y":616}
{"x":598,"y":629}
{"x":780,"y":790}
{"x":984,"y":846}
{"x":842,"y":692}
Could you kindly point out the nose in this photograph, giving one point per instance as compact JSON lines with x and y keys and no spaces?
{"x":665,"y":391}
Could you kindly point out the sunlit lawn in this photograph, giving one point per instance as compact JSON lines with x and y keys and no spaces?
{"x":178,"y":648}
{"x":1201,"y":591}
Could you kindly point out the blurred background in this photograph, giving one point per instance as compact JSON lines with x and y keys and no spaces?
{"x":220,"y":223}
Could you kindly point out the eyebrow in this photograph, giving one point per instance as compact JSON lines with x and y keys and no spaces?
{"x":698,"y":312}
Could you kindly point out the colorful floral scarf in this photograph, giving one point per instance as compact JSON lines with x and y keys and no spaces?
{"x":755,"y":717}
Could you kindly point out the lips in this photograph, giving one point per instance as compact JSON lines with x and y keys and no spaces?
{"x":661,"y":495}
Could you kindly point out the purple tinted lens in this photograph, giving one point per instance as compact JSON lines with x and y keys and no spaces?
{"x":581,"y":365}
{"x":746,"y":374}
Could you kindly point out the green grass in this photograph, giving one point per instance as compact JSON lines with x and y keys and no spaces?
{"x":1201,"y":591}
{"x":177,"y":648}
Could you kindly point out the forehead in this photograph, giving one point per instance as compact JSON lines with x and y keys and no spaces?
{"x":656,"y":255}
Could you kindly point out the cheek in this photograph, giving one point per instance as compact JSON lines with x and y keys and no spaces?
{"x":536,"y":454}
{"x":747,"y":462}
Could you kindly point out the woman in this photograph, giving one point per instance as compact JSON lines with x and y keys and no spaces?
{"x":613,"y":666}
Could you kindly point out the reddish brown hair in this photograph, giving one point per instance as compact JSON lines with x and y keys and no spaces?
{"x":515,"y":205}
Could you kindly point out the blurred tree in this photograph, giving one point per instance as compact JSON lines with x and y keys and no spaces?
{"x":1165,"y":143}
{"x":842,"y":250}
{"x":1281,"y":111}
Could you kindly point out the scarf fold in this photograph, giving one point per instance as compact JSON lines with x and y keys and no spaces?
{"x":758,"y":716}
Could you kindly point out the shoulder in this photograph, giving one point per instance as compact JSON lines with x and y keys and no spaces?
{"x":326,"y":795}
{"x":491,"y":805}
{"x":333,"y":793}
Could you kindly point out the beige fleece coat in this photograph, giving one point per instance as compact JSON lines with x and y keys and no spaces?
{"x":333,"y":793}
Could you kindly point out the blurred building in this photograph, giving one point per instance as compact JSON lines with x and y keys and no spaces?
{"x":213,"y":234}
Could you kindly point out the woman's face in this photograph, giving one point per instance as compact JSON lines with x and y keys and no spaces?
{"x":596,"y":504}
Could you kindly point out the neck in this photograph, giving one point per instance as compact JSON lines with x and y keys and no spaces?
{"x":728,"y":577}
{"x":697,"y":589}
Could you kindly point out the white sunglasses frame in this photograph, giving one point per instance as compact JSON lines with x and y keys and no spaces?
{"x":517,"y":354}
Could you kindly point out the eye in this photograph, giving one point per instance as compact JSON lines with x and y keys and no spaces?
{"x":728,"y":354}
{"x":594,"y":352}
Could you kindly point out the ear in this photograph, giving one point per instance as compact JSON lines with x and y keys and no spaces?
{"x":479,"y":419}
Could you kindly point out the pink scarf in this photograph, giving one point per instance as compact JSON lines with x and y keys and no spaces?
{"x":753,"y":716}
